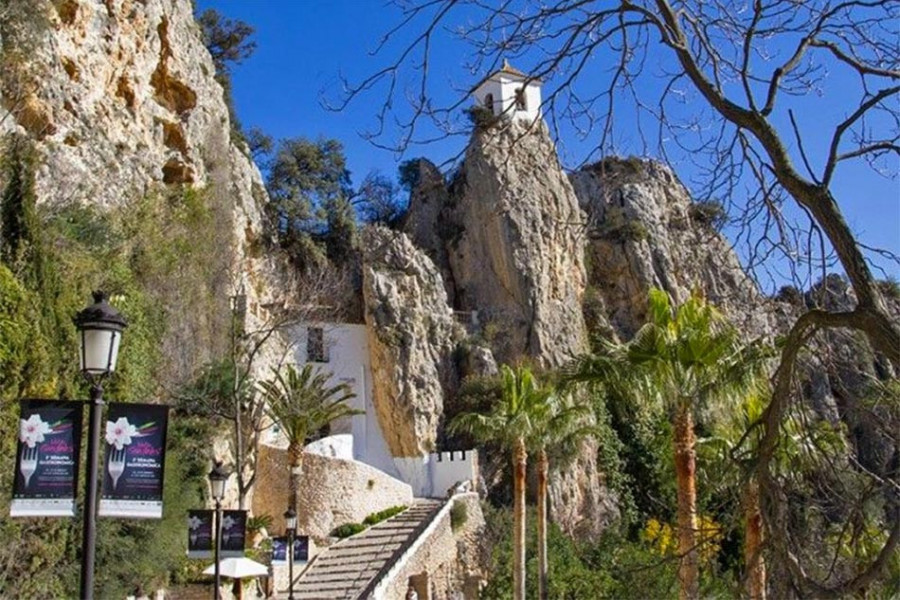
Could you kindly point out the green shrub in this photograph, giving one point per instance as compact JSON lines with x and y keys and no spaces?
{"x":459,"y":514}
{"x":348,"y":529}
{"x":481,"y":117}
{"x":258,"y":522}
{"x":156,"y":259}
{"x":708,"y":212}
{"x":381,"y":515}
{"x":619,"y":227}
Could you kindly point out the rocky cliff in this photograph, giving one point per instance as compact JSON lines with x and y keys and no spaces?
{"x":412,"y":337}
{"x":119,"y":101}
{"x":543,"y":259}
{"x":642,"y":230}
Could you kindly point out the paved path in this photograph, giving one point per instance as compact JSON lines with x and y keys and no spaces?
{"x":345,"y":569}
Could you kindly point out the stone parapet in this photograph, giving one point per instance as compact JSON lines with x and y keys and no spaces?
{"x":333,"y":491}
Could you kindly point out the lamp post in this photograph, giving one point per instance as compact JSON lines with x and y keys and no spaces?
{"x":217,"y":478}
{"x":290,"y":523}
{"x":100,"y":333}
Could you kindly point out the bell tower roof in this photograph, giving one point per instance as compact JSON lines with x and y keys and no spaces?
{"x":507,"y":71}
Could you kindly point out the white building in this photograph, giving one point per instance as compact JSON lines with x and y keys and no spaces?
{"x":343,"y":351}
{"x":510,"y":93}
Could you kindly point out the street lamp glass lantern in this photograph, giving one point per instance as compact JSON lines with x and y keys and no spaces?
{"x":217,"y":478}
{"x":290,"y":519}
{"x":100,"y":329}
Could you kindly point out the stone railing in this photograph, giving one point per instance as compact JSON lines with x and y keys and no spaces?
{"x":432,"y":547}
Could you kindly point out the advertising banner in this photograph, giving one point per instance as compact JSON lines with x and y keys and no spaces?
{"x":279,"y":550}
{"x":135,"y":457}
{"x":47,"y":459}
{"x":234,"y":531}
{"x":200,"y":533}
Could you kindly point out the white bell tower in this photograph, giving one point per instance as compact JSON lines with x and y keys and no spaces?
{"x":506,"y":94}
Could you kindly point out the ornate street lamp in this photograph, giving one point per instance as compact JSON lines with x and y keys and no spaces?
{"x":217,"y":478}
{"x":100,"y":329}
{"x":290,"y":523}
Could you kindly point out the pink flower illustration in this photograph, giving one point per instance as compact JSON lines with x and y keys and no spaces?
{"x":32,"y":430}
{"x":119,"y":434}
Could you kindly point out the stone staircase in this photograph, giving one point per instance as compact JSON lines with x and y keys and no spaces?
{"x":350,"y":568}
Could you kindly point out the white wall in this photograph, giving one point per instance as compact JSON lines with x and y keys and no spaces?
{"x":360,"y":437}
{"x":503,"y":87}
{"x":347,"y":350}
{"x":433,"y":475}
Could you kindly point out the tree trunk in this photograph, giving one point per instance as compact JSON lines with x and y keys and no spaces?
{"x":685,"y":477}
{"x":295,"y":459}
{"x":520,"y":458}
{"x":542,"y":470}
{"x":753,"y":538}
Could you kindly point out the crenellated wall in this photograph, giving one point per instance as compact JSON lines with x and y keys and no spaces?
{"x":434,"y":475}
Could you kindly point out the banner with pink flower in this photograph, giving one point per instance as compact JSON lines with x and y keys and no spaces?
{"x":200,"y":533}
{"x":47,"y":459}
{"x":135,"y":461}
{"x":234,"y":532}
{"x":279,"y":550}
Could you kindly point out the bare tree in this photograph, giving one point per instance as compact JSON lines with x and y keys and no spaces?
{"x":716,"y":83}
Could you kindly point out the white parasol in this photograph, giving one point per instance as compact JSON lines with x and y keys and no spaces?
{"x":238,"y":568}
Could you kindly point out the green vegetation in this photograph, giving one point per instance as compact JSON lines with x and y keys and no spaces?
{"x":378,"y":199}
{"x":309,"y":210}
{"x":348,"y":529}
{"x":381,"y":515}
{"x":459,"y":515}
{"x":481,"y":117}
{"x":687,"y":359}
{"x":229,"y":43}
{"x":710,"y":213}
{"x":50,"y":259}
{"x":618,"y":227}
{"x":512,"y":422}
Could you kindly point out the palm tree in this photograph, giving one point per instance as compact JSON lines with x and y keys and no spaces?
{"x":510,"y":423}
{"x":559,"y":427}
{"x":687,"y":358}
{"x":728,"y":436}
{"x":303,"y":403}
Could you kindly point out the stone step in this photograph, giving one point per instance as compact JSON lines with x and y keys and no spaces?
{"x":341,"y":576}
{"x":344,"y":569}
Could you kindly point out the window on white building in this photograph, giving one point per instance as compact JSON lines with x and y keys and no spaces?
{"x":315,"y":345}
{"x":521,"y":101}
{"x":489,"y":102}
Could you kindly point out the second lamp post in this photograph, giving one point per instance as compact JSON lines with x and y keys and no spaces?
{"x":290,"y":523}
{"x":217,"y":478}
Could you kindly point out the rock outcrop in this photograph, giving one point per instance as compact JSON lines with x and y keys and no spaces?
{"x":511,"y":231}
{"x":120,"y":102}
{"x":412,"y":337}
{"x":643,"y":231}
{"x":516,"y":254}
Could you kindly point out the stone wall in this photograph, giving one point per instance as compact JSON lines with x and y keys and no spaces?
{"x":334,"y":491}
{"x":442,"y":562}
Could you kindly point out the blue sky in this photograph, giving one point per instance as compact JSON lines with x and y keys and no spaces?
{"x":305,"y":46}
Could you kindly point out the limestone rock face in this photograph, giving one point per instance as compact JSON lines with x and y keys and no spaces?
{"x":412,"y":337}
{"x":515,"y":252}
{"x":510,"y":227}
{"x":120,"y":101}
{"x":424,"y":221}
{"x":579,"y":500}
{"x":643,"y":232}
